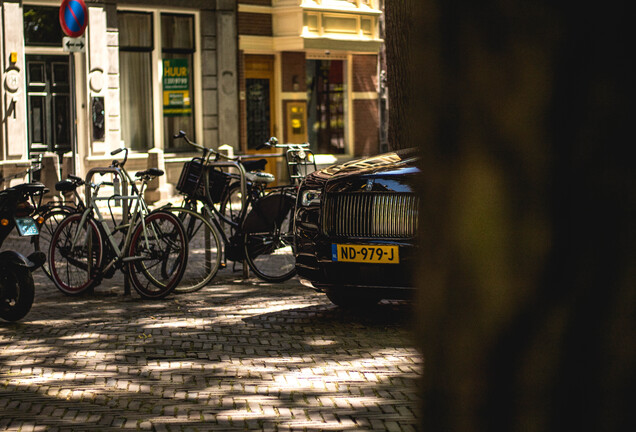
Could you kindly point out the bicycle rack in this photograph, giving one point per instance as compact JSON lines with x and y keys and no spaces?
{"x":242,"y":173}
{"x":124,"y":200}
{"x":241,"y":170}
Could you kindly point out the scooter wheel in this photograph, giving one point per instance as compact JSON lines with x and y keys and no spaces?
{"x":17,"y":292}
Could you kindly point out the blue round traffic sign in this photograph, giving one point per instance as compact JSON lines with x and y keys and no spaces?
{"x":73,"y":17}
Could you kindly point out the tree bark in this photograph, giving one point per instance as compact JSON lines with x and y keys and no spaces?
{"x":399,"y":40}
{"x":526,"y":299}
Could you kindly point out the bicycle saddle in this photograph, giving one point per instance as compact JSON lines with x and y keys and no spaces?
{"x":259,"y":177}
{"x":65,"y":186}
{"x":70,"y":184}
{"x":153,"y":172}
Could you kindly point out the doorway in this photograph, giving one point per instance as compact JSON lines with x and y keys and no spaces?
{"x":259,"y":106}
{"x":49,"y":104}
{"x":259,"y":99}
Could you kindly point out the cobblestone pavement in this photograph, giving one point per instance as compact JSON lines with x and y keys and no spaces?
{"x":237,"y":355}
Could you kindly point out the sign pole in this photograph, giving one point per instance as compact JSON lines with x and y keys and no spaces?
{"x":73,"y":17}
{"x":74,"y":158}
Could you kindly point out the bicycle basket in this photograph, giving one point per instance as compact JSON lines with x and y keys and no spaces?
{"x":190,"y":178}
{"x":191,"y":184}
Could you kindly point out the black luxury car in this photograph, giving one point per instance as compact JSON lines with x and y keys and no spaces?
{"x":355,"y":228}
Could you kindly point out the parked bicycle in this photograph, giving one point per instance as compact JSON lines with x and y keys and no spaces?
{"x":152,"y":248}
{"x":260,"y":221}
{"x":17,"y":289}
{"x":300,"y":161}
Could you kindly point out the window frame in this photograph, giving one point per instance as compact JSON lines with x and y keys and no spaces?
{"x":138,"y":49}
{"x":190,"y":52}
{"x":160,"y":141}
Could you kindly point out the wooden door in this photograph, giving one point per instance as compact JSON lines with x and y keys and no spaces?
{"x":260,"y":113}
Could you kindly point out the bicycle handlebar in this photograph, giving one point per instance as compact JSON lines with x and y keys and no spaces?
{"x":271,"y":143}
{"x":205,"y":150}
{"x":117,"y":151}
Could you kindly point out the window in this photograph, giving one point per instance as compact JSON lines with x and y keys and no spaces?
{"x":135,"y":63}
{"x":177,"y":46}
{"x":167,"y":52}
{"x":42,"y":26}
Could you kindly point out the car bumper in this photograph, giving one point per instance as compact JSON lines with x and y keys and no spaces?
{"x":315,"y":266}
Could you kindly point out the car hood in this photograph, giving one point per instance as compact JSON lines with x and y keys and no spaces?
{"x":375,"y":164}
{"x":386,"y":172}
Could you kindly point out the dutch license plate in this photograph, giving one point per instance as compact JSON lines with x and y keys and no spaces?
{"x":365,"y":254}
{"x":26,"y":226}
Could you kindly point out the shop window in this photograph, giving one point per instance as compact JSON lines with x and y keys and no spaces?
{"x":326,"y":105}
{"x":135,"y":69}
{"x":177,"y":46}
{"x":42,"y":26}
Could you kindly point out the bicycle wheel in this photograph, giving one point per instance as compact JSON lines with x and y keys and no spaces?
{"x":269,"y":238}
{"x":50,"y":221}
{"x":158,"y":254}
{"x":68,"y":262}
{"x":204,"y":250}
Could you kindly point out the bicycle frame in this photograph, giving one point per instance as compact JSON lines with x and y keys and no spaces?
{"x":93,"y":208}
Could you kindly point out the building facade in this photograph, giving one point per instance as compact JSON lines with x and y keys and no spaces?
{"x":227,"y":72}
{"x":309,"y":73}
{"x":143,"y":71}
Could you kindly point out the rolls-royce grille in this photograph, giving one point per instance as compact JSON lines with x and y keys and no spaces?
{"x":382,"y":215}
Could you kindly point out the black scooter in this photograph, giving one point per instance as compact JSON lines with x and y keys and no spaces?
{"x":17,"y":289}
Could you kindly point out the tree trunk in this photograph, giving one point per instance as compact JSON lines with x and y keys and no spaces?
{"x":399,"y":40}
{"x":526,"y":299}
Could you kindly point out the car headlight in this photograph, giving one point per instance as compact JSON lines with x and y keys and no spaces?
{"x":310,"y":197}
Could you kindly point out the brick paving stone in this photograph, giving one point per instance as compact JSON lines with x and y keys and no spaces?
{"x":236,"y":355}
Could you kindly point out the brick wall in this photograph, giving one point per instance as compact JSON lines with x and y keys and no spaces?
{"x":365,"y":73}
{"x":293,"y":65}
{"x":366,"y":127}
{"x":255,"y":24}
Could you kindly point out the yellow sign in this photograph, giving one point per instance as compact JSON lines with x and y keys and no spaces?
{"x":176,"y":88}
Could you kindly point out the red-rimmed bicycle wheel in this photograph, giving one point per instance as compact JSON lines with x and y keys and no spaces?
{"x":158,"y":255}
{"x":68,"y":262}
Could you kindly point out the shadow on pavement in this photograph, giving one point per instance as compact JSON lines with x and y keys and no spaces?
{"x":236,"y":355}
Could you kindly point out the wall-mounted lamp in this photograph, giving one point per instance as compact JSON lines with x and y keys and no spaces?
{"x":295,"y":84}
